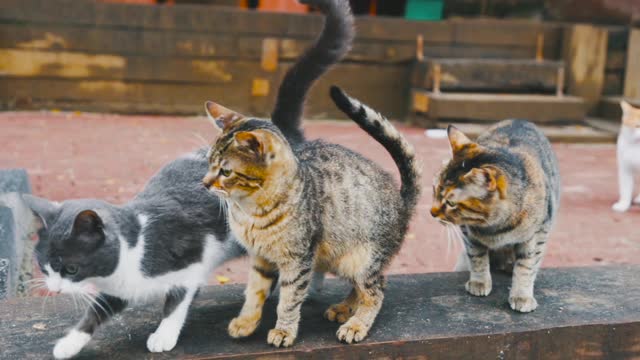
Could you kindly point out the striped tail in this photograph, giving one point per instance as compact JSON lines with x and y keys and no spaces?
{"x":376,"y":125}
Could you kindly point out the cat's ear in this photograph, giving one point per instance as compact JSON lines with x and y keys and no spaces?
{"x":457,"y":139}
{"x":490,"y":178}
{"x":88,"y":230}
{"x":44,"y":209}
{"x":220,"y":116}
{"x":251,"y":141}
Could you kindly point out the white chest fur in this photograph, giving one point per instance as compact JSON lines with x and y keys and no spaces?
{"x":129,"y":282}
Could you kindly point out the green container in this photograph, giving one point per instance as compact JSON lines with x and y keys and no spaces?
{"x":424,"y":9}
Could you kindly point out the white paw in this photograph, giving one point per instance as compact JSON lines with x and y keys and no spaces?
{"x":621,"y":207}
{"x":70,"y":345}
{"x":162,"y":340}
{"x":523,"y":304}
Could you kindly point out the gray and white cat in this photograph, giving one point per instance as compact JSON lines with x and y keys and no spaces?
{"x":628,"y":156}
{"x":162,"y":243}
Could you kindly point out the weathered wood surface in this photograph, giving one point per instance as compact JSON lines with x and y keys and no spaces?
{"x":585,"y":56}
{"x":632,"y":74}
{"x":488,"y":75}
{"x":584,"y":313}
{"x":592,"y":132}
{"x":131,"y":58}
{"x":383,"y":87}
{"x":494,"y":107}
{"x":218,"y":20}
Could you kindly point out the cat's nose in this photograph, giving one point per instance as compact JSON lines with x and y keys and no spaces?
{"x":435,"y":211}
{"x":207,"y":181}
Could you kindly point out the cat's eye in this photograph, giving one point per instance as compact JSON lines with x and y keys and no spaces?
{"x":451,"y":204}
{"x":71,"y":269}
{"x":225,"y":172}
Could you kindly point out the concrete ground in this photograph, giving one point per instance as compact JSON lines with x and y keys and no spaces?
{"x":74,"y":155}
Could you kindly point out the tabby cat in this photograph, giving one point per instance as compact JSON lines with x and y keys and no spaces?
{"x":503,"y":192}
{"x":312,"y":206}
{"x":628,"y":156}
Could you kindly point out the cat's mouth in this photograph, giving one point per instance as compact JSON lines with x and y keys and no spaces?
{"x":219,"y":192}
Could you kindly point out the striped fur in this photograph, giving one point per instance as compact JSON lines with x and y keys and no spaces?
{"x":314,"y":206}
{"x":503,"y":192}
{"x":376,"y":125}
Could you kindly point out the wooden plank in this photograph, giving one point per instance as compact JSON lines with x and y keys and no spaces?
{"x":494,"y":107}
{"x":583,"y":313}
{"x":71,"y":65}
{"x":585,"y":54}
{"x":508,"y":33}
{"x":159,"y":43}
{"x":567,"y":133}
{"x":489,"y":75}
{"x":386,"y":92}
{"x":222,"y":20}
{"x":632,"y":75}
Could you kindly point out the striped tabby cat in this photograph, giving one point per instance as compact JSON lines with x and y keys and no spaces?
{"x":312,"y":206}
{"x":503,"y":192}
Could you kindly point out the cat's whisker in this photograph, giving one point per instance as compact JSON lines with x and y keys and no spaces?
{"x":200,"y":140}
{"x":44,"y":301}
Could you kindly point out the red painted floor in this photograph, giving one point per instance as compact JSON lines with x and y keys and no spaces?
{"x":72,"y":155}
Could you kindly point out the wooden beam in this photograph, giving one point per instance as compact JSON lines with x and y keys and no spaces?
{"x":495,"y":107}
{"x":585,"y":56}
{"x":501,"y":75}
{"x":632,"y":75}
{"x":386,"y":91}
{"x":583,"y":313}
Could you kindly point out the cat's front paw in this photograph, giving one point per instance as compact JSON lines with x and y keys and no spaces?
{"x":280,"y":337}
{"x":478,"y":288}
{"x":70,"y":345}
{"x":162,"y":340}
{"x":339,"y":313}
{"x":621,"y":206}
{"x":244,"y":325}
{"x":523,"y":304}
{"x":353,"y":331}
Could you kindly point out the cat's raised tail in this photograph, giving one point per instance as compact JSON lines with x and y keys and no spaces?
{"x":376,"y":125}
{"x":330,"y":47}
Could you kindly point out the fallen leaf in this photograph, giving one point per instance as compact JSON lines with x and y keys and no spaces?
{"x":222,"y":279}
{"x":40,"y":326}
{"x":411,"y":236}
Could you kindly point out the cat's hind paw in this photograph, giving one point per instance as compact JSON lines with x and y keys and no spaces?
{"x":621,"y":206}
{"x":523,"y":304}
{"x":352,"y":331}
{"x":244,"y":325}
{"x":339,"y":313}
{"x":70,"y":345}
{"x":478,"y":288}
{"x":162,"y":340}
{"x":280,"y":337}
